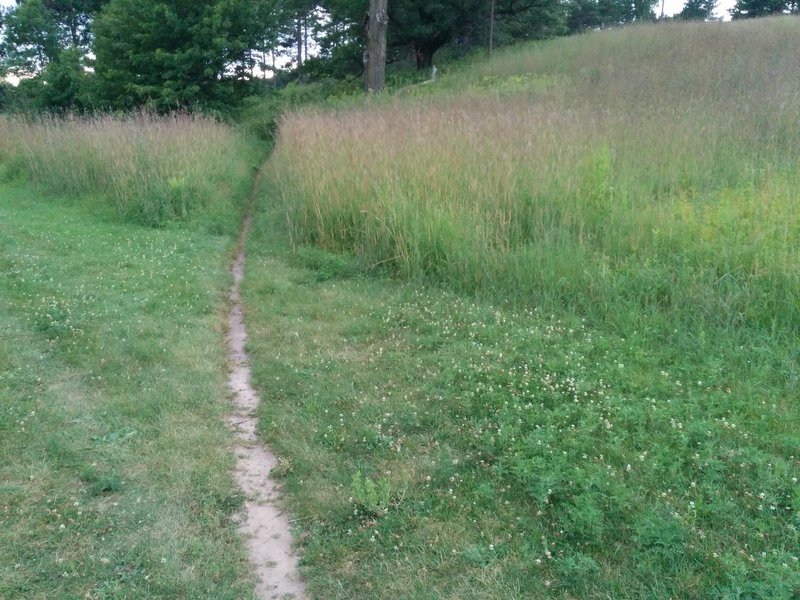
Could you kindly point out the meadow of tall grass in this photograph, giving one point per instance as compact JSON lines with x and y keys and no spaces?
{"x":152,"y":169}
{"x":115,"y":471}
{"x":620,"y":173}
{"x":604,"y":404}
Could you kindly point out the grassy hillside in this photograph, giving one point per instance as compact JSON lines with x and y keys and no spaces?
{"x":650,"y":169}
{"x":584,"y":383}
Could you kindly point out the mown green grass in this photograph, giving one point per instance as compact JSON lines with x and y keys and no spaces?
{"x":115,"y":468}
{"x":443,"y":447}
{"x":586,"y":386}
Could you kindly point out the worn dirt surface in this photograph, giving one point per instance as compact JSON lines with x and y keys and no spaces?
{"x":262,"y":523}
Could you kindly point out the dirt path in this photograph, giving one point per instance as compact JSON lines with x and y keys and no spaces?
{"x":265,"y":527}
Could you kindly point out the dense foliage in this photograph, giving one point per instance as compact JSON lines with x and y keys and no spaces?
{"x":747,"y":9}
{"x":174,"y":55}
{"x":90,"y":55}
{"x":698,"y":10}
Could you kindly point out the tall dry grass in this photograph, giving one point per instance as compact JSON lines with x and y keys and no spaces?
{"x":643,"y":169}
{"x":153,"y":169}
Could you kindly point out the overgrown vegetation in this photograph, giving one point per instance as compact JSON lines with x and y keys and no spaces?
{"x":115,"y":471}
{"x":153,"y":170}
{"x":447,"y":448}
{"x":610,"y":174}
{"x":585,"y":388}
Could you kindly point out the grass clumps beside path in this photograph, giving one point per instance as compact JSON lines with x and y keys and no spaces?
{"x":115,"y":472}
{"x":450,"y":448}
{"x":152,"y":169}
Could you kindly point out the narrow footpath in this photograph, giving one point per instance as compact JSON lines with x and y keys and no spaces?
{"x":266,"y":529}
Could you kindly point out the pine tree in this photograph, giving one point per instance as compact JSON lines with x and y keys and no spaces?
{"x":698,"y":10}
{"x":178,"y":54}
{"x":747,"y":9}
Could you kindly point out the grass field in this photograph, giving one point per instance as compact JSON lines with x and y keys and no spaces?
{"x":115,"y":466}
{"x":586,"y":386}
{"x":642,"y":170}
{"x":443,"y":447}
{"x":579,"y":379}
{"x":153,"y":170}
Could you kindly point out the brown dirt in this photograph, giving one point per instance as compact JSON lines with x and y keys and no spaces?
{"x":264,"y":525}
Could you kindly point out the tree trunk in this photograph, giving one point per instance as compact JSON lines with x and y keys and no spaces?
{"x":298,"y":34}
{"x":305,"y":36}
{"x":423,"y":55}
{"x":491,"y":28}
{"x":375,"y":26}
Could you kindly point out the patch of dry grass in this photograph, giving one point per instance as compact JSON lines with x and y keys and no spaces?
{"x":152,"y":169}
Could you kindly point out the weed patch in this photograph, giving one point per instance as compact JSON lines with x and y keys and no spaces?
{"x":610,"y":175}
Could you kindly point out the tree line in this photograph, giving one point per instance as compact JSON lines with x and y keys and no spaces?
{"x":89,"y":55}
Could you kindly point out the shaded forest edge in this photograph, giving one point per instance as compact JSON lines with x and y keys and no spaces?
{"x":91,"y":56}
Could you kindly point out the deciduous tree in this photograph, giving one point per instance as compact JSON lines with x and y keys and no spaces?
{"x":31,"y":38}
{"x":35,"y":32}
{"x":74,"y":18}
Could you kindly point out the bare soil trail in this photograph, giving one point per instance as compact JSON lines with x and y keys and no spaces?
{"x":264,"y":525}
